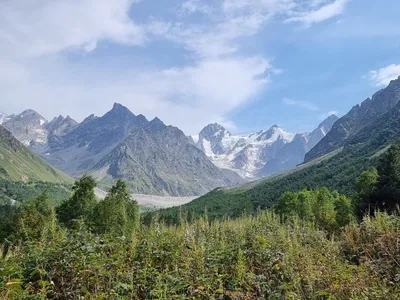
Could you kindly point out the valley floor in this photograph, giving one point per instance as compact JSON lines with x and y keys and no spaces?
{"x":152,"y":201}
{"x":161,"y":201}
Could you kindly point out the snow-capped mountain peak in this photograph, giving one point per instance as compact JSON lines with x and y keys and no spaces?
{"x":274,"y":133}
{"x":259,"y":153}
{"x":28,"y":127}
{"x":214,"y":139}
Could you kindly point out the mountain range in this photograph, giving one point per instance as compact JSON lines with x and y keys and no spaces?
{"x":259,"y":154}
{"x":152,"y":157}
{"x":158,"y":159}
{"x":354,"y":144}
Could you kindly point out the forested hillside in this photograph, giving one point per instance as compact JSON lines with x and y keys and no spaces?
{"x":22,"y":191}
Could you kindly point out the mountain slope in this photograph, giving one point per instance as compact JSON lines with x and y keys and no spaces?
{"x":159,"y":159}
{"x":357,"y":118}
{"x":81,"y":149}
{"x":259,"y":154}
{"x":337,"y":170}
{"x":19,"y":164}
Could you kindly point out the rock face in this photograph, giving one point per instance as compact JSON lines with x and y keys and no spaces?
{"x":319,"y":133}
{"x":61,"y":126}
{"x":28,"y":127}
{"x":379,"y":134}
{"x":77,"y":151}
{"x":356,"y":119}
{"x":259,"y":154}
{"x":160,"y":160}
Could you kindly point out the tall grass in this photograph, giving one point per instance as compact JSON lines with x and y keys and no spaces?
{"x":258,"y":257}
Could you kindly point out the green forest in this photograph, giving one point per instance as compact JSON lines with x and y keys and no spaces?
{"x":314,"y":243}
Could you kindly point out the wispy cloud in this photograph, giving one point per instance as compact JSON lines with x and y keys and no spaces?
{"x":322,"y":13}
{"x":309,"y":106}
{"x":229,"y":20}
{"x":383,"y":76}
{"x":194,"y":6}
{"x":302,"y":104}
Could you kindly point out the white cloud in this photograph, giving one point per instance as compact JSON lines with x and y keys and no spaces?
{"x":320,"y":14}
{"x":187,"y":97}
{"x":37,"y":28}
{"x":229,"y":20}
{"x":215,"y":78}
{"x":303,"y":104}
{"x":383,"y":76}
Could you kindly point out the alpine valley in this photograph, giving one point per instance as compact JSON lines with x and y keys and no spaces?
{"x":356,"y":142}
{"x":153,"y":158}
{"x":157,"y":159}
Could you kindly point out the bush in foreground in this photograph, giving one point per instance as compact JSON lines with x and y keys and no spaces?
{"x":258,"y":257}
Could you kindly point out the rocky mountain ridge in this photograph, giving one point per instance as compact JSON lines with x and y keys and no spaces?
{"x":152,"y":157}
{"x":160,"y":159}
{"x":258,"y":154}
{"x":356,"y":119}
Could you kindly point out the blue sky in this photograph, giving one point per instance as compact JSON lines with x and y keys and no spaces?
{"x":247,"y":64}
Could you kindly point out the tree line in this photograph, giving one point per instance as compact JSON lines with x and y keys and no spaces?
{"x":35,"y":218}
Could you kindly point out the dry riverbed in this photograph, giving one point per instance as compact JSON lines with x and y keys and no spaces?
{"x":151,"y":201}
